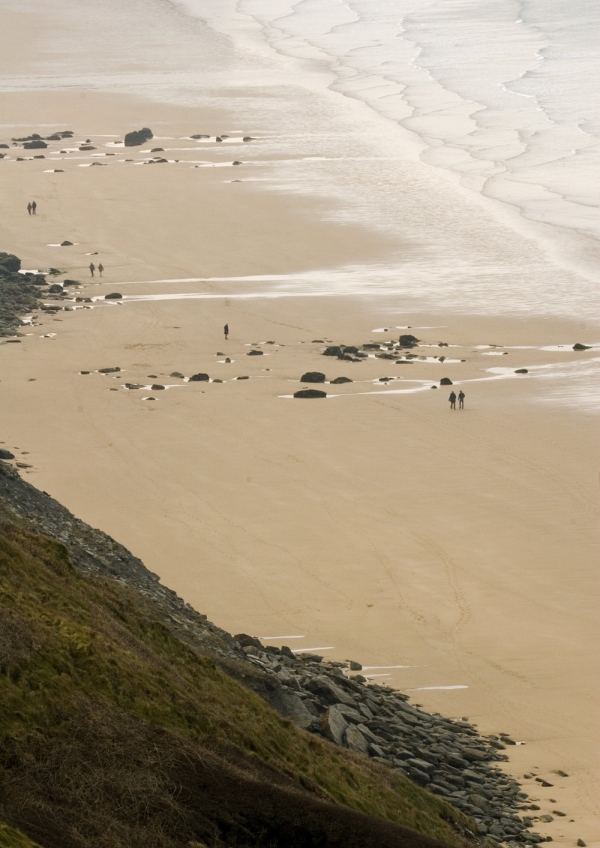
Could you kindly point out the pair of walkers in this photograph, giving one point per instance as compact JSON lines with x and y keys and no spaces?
{"x":461,"y":400}
{"x":32,"y":207}
{"x":93,"y":268}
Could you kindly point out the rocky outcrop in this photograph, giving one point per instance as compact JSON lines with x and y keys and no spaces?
{"x":137,"y":137}
{"x":408,"y":340}
{"x":19,"y":293}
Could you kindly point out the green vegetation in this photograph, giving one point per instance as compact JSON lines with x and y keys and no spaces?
{"x":11,"y":838}
{"x":115,"y":732}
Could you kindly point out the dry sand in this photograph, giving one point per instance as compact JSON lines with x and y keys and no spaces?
{"x":442,"y":549}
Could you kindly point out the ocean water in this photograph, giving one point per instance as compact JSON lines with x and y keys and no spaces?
{"x":503,"y":94}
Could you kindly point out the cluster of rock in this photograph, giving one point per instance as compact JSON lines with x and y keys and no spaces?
{"x":19,"y":293}
{"x":383,"y":350}
{"x":447,"y":757}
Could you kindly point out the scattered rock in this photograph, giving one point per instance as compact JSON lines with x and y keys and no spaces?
{"x":137,"y":137}
{"x":333,"y":350}
{"x":446,"y":381}
{"x":242,"y":378}
{"x":308,"y":393}
{"x":247,"y":138}
{"x":313,"y":377}
{"x":108,"y":370}
{"x":579,"y":346}
{"x":157,"y":150}
{"x":36,"y":144}
{"x":87,"y":147}
{"x":339,"y":380}
{"x":113,"y":296}
{"x":66,"y":244}
{"x":254,"y":353}
{"x":199,"y":135}
{"x":6,"y":454}
{"x":408,"y":340}
{"x":55,"y":289}
{"x":199,"y":378}
{"x":521,"y":371}
{"x":354,"y":739}
{"x":581,"y":843}
{"x":236,"y":162}
{"x":156,"y":387}
{"x":176,"y":374}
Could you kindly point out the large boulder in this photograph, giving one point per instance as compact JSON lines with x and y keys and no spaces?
{"x":137,"y":137}
{"x":334,"y":725}
{"x":248,"y":641}
{"x":355,"y":740}
{"x":312,"y":377}
{"x":309,"y":393}
{"x":9,"y":263}
{"x":329,"y":692}
{"x":408,"y":340}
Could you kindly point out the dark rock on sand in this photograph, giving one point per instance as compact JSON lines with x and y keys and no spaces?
{"x":157,"y":150}
{"x":309,"y":393}
{"x":70,"y":282}
{"x":199,"y":135}
{"x":333,"y":350}
{"x":9,"y":262}
{"x":109,"y":370}
{"x":199,"y":378}
{"x":6,"y":454}
{"x":404,"y":362}
{"x":87,"y":147}
{"x":408,"y":340}
{"x":66,"y":243}
{"x":218,"y":138}
{"x":521,"y":371}
{"x":446,"y":381}
{"x":313,"y":377}
{"x":133,"y":386}
{"x":113,"y":296}
{"x":55,"y":289}
{"x":247,"y":138}
{"x":156,"y":387}
{"x":339,"y":380}
{"x":176,"y":374}
{"x":137,"y":137}
{"x":237,"y":162}
{"x":36,"y":144}
{"x":579,"y":346}
{"x":254,"y":353}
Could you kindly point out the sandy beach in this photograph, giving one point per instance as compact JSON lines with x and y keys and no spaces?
{"x":453,"y":553}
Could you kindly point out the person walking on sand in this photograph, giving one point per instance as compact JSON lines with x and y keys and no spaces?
{"x":92,"y":268}
{"x":33,"y":207}
{"x":461,"y":399}
{"x":226,"y":331}
{"x":29,"y":208}
{"x":452,"y":400}
{"x":100,"y":268}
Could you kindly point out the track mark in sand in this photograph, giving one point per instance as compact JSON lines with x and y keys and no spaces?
{"x":387,"y":567}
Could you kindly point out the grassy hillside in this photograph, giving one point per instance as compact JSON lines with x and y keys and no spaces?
{"x":114,"y":732}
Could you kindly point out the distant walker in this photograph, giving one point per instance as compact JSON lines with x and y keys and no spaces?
{"x":226,"y":331}
{"x":461,"y":399}
{"x":92,"y":268}
{"x":452,"y":400}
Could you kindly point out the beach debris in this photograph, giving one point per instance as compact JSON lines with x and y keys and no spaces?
{"x":579,"y":346}
{"x":446,"y":381}
{"x":6,"y":454}
{"x":113,"y":296}
{"x":339,"y":380}
{"x":408,"y":340}
{"x":310,"y":393}
{"x":313,"y":377}
{"x":137,"y":137}
{"x":199,"y":378}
